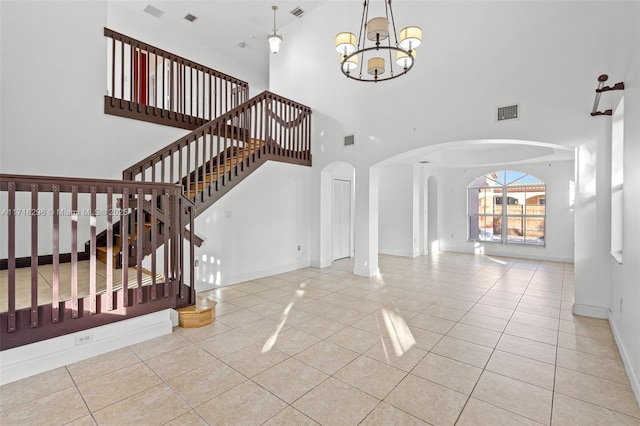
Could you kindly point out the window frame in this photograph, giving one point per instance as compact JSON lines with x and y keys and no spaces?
{"x":503,"y":191}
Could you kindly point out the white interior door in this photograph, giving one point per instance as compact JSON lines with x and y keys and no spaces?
{"x":341,"y":220}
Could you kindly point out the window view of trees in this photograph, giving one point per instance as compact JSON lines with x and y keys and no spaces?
{"x":507,"y":207}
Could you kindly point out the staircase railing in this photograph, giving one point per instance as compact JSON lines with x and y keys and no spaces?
{"x":213,"y":157}
{"x":151,"y":84}
{"x":55,"y":294}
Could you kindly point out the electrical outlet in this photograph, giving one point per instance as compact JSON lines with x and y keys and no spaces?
{"x":81,"y":339}
{"x":620,"y":305}
{"x":196,"y":263}
{"x":298,"y":247}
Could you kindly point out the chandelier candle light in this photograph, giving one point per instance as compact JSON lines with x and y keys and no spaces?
{"x":376,"y":30}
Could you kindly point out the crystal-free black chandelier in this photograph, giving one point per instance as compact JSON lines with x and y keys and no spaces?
{"x":402,"y":52}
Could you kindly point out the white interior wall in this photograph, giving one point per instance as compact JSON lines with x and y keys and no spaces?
{"x":255,"y":229}
{"x":396,"y":210}
{"x":452,"y":211}
{"x":53,"y":88}
{"x":624,"y":308}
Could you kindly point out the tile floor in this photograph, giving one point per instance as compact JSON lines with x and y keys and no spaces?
{"x":447,"y":339}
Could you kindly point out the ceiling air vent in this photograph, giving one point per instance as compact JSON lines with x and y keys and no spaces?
{"x":153,"y":11}
{"x":189,"y":17}
{"x":349,"y":140}
{"x":297,"y":12}
{"x":509,"y":112}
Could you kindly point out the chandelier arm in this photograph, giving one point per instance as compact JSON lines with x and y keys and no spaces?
{"x":363,"y":26}
{"x":393,"y":24}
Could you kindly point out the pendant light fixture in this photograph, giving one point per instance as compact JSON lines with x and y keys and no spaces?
{"x":381,"y":32}
{"x":274,"y":38}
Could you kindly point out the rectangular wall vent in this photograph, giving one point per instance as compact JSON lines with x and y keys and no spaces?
{"x":153,"y":11}
{"x":189,"y":17}
{"x":349,"y":140}
{"x":297,"y":12}
{"x":509,"y":112}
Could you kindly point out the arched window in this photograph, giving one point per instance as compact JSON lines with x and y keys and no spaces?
{"x":507,"y":207}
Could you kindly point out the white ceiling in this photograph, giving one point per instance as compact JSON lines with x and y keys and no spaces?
{"x":224,"y":24}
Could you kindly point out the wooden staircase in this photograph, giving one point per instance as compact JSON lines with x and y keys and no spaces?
{"x":212,"y":159}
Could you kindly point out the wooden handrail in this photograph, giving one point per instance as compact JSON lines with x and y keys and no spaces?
{"x":152,"y":215}
{"x":235,"y":126}
{"x":151,"y":84}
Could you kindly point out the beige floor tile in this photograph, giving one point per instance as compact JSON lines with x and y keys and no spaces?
{"x":345,"y":316}
{"x":83,"y":421}
{"x":117,"y":386}
{"x":354,"y":339}
{"x":336,"y":403}
{"x":248,"y":301}
{"x":291,"y":341}
{"x":525,"y":369}
{"x":320,"y":327}
{"x":290,"y":417}
{"x":447,"y":372}
{"x":201,"y":333}
{"x":253,"y":359}
{"x":513,"y":395}
{"x":593,"y":331}
{"x":203,"y":383}
{"x":57,"y":408}
{"x":160,"y":404}
{"x":262,"y":329}
{"x":225,"y":343}
{"x":327,"y":357}
{"x":536,"y":320}
{"x":425,"y":339}
{"x":245,"y":404}
{"x":498,"y":303}
{"x":290,"y":379}
{"x":190,"y":418}
{"x":158,"y":346}
{"x":527,"y":348}
{"x":479,"y":413}
{"x":484,"y":321}
{"x":472,"y":334}
{"x":431,"y":323}
{"x":267,"y":309}
{"x":387,"y":415}
{"x":370,"y":376}
{"x":463,"y":351}
{"x":179,"y":361}
{"x":546,"y":311}
{"x":532,"y":332}
{"x":601,"y":347}
{"x":373,"y":323}
{"x":404,"y":359}
{"x":572,"y":412}
{"x":109,"y":362}
{"x":605,"y":393}
{"x":445,"y":312}
{"x":239,"y":318}
{"x":598,"y":366}
{"x":225,"y":293}
{"x":492,"y":311}
{"x":34,"y":387}
{"x":426,"y":400}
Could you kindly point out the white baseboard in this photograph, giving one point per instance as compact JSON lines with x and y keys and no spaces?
{"x":29,"y":360}
{"x":248,"y":276}
{"x":366,"y":271}
{"x":626,"y":360}
{"x":590,"y":311}
{"x":509,"y":251}
{"x":393,"y":252}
